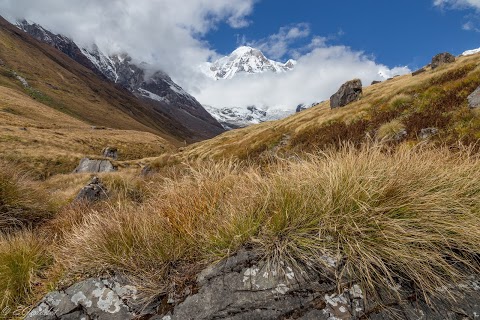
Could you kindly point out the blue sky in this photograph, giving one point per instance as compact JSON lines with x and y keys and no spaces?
{"x":407,"y":32}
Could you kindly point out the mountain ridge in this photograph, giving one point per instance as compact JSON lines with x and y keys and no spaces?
{"x":158,"y":91}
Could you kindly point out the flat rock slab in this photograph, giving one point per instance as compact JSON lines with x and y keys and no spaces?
{"x":474,"y":99}
{"x":94,"y":166}
{"x":90,"y":299}
{"x":245,"y":287}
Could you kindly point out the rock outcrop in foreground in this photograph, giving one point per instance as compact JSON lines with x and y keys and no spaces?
{"x":243,"y":287}
{"x":349,"y":92}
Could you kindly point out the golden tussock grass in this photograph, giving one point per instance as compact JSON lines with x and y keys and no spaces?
{"x":385,"y":214}
{"x":22,"y":202}
{"x":24,"y":258}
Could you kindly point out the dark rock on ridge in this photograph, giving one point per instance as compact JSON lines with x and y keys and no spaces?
{"x":441,"y":59}
{"x":419,"y":71}
{"x":349,"y":92}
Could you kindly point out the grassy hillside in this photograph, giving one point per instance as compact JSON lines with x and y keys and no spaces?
{"x":46,"y":141}
{"x":64,"y":85}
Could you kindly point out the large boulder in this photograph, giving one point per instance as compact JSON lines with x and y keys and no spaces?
{"x":92,"y":192}
{"x":94,"y":166}
{"x":349,"y":92}
{"x":441,"y":59}
{"x":474,"y":99}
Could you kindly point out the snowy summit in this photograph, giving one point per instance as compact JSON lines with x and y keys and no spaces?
{"x":244,"y":60}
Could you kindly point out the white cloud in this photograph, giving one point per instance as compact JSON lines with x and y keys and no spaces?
{"x":316,"y":77}
{"x":457,"y":4}
{"x":472,"y":20}
{"x":166,"y":33}
{"x":278,"y":45}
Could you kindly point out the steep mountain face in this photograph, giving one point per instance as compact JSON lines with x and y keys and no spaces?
{"x":244,"y":60}
{"x":157,"y":91}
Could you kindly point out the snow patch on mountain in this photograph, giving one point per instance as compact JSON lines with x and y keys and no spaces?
{"x":239,"y":117}
{"x":470,"y":52}
{"x":245,"y":61}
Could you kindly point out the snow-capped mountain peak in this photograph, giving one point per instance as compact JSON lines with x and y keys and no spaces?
{"x":245,"y":60}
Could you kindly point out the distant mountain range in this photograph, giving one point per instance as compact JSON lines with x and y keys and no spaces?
{"x":157,"y":90}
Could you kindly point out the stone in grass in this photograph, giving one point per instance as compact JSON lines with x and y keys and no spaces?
{"x":94,"y":166}
{"x":92,"y":192}
{"x":474,"y":99}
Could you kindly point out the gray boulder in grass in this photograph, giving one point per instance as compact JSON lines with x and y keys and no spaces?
{"x":94,"y":166}
{"x":474,"y":99}
{"x":349,"y":92}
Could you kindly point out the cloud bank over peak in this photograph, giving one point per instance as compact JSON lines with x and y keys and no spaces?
{"x":165,"y":33}
{"x":170,"y":35}
{"x":320,"y":69}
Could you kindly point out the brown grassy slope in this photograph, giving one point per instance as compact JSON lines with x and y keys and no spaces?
{"x":63,"y":84}
{"x":386,"y":216}
{"x":53,"y":142}
{"x":433,"y":99}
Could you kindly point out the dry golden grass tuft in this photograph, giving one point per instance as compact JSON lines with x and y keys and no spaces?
{"x":24,"y":258}
{"x":386,"y":214}
{"x":390,"y":130}
{"x":22,"y":202}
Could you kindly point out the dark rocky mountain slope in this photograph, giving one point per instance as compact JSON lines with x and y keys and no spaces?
{"x":167,"y":103}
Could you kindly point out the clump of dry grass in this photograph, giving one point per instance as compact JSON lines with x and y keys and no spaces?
{"x":23,"y":259}
{"x":22,"y":202}
{"x":385,"y":214}
{"x":391,"y":130}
